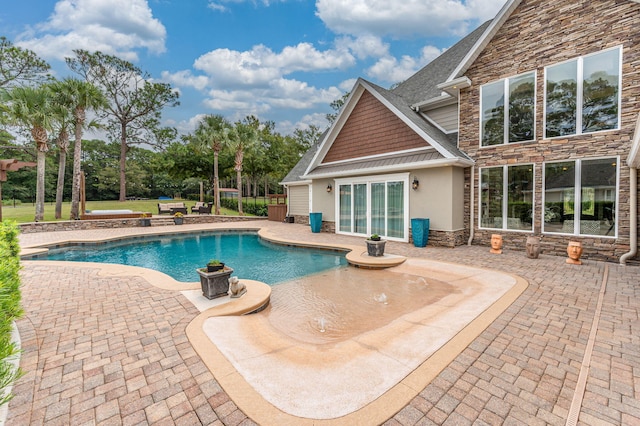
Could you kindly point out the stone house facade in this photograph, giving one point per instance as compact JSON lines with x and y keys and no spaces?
{"x":537,"y":38}
{"x":527,"y":126}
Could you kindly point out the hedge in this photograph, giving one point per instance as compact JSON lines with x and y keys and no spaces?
{"x":10,"y":308}
{"x":247,"y":207}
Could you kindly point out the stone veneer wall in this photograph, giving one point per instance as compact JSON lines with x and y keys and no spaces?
{"x":76,"y":225}
{"x":541,"y":33}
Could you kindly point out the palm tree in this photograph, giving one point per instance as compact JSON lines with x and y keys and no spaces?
{"x":213,"y":131}
{"x":243,"y":136}
{"x":78,"y":96}
{"x":30,"y":108}
{"x":62,"y":123}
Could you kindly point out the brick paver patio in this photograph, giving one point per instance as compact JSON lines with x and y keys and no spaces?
{"x":113,"y":350}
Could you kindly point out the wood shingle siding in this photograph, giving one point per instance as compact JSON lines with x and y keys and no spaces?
{"x":383,"y":130}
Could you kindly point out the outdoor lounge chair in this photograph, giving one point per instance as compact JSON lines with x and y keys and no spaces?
{"x":196,"y":208}
{"x":204,"y":208}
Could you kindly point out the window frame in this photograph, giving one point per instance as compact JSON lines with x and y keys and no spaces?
{"x":505,"y":197}
{"x":580,"y":94}
{"x":369,"y":180}
{"x":577,"y":196}
{"x":506,"y":92}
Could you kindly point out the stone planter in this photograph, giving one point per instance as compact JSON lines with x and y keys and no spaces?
{"x":375,"y":248}
{"x":178,"y":220}
{"x":214,"y":284}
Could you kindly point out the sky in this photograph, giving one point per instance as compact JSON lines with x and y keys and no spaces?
{"x":281,"y":60}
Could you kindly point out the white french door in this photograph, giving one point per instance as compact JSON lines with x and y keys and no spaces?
{"x":373,"y":205}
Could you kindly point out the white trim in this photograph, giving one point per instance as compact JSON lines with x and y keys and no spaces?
{"x":633,"y":160}
{"x":368,"y":180}
{"x":373,"y":157}
{"x":453,"y":87}
{"x":484,"y":40}
{"x":443,"y":162}
{"x":579,"y":94}
{"x":505,"y":197}
{"x":506,"y":89}
{"x":443,"y":100}
{"x":577,"y":195}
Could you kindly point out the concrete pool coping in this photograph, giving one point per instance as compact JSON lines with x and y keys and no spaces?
{"x":251,"y":402}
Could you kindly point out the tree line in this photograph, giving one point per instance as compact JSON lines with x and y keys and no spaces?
{"x":46,"y":118}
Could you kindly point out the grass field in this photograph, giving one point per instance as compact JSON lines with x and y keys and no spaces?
{"x":24,"y":213}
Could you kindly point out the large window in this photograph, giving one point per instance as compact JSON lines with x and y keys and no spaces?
{"x":579,"y":197}
{"x":583,"y":95}
{"x":506,"y":200}
{"x":374,"y":205}
{"x":517,"y":123}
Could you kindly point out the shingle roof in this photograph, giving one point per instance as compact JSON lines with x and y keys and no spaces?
{"x":295,"y":174}
{"x":420,"y":87}
{"x":423,"y":84}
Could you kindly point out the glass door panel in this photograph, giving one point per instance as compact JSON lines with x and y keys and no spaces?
{"x":360,"y":208}
{"x":378,"y":208}
{"x":395,"y":209}
{"x":345,"y":208}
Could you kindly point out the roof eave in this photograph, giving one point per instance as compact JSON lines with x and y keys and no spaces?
{"x":442,"y":162}
{"x":442,"y":100}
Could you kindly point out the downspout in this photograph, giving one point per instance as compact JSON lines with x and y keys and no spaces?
{"x":472,"y":202}
{"x":633,"y":216}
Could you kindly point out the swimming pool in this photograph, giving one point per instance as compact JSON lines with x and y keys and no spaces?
{"x":179,"y":255}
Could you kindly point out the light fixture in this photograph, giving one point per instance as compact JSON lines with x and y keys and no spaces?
{"x":415,"y":184}
{"x":329,"y":188}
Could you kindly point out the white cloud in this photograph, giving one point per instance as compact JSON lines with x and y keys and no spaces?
{"x":401,"y":18}
{"x":364,"y":46}
{"x":186,"y":78}
{"x":392,"y":70}
{"x":116,"y":27}
{"x":260,"y":65}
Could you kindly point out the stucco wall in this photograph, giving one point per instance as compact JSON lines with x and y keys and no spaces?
{"x":323,"y":201}
{"x":538,"y":34}
{"x":440,"y":197}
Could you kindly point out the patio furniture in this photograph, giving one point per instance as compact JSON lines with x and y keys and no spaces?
{"x":175,"y":210}
{"x":167,"y":208}
{"x":196,"y":208}
{"x":203,"y":209}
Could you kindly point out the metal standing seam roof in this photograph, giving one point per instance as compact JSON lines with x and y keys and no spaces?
{"x":366,"y":165}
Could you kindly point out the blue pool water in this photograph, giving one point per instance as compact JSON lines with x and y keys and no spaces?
{"x":179,"y":256}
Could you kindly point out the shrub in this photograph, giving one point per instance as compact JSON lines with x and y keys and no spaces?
{"x":10,"y":308}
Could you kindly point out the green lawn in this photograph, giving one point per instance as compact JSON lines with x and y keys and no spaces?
{"x":26,"y":212}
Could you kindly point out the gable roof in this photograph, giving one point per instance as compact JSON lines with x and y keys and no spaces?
{"x":424,"y":83}
{"x":486,"y":37}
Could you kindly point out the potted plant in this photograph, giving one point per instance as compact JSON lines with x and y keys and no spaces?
{"x":145,"y":219}
{"x":215,"y":284}
{"x":375,"y":245}
{"x":214,"y":265}
{"x":178,"y":218}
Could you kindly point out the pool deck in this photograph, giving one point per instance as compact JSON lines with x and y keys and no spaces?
{"x":104,"y":346}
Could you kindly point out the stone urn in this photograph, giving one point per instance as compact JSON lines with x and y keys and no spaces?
{"x":375,"y":247}
{"x":214,"y":284}
{"x":533,"y":247}
{"x":574,"y":251}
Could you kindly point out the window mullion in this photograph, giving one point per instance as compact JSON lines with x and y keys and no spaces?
{"x":506,"y":111}
{"x":579,"y":95}
{"x":577,"y":198}
{"x":505,"y":196}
